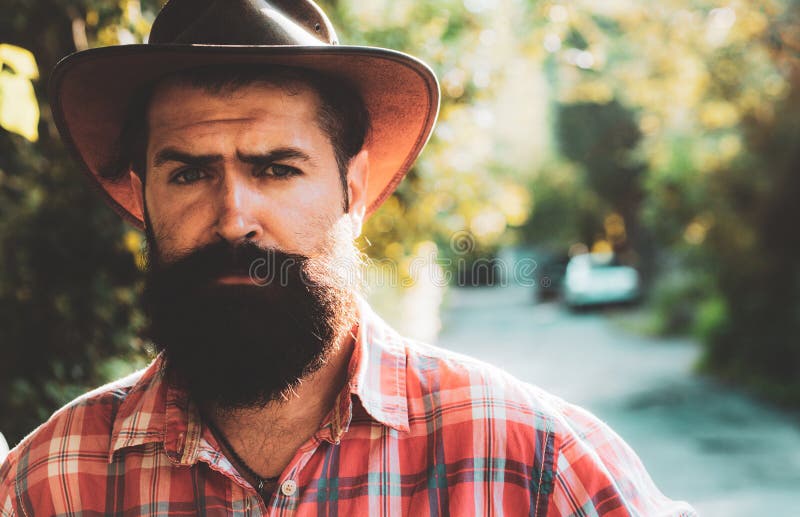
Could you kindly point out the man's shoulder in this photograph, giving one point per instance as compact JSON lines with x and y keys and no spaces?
{"x":446,"y":380}
{"x":446,"y":386}
{"x":80,"y":430}
{"x":581,"y":461}
{"x":451,"y":378}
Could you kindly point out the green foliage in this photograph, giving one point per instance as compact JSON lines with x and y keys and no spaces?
{"x":713,"y":90}
{"x":460,"y":183}
{"x":564,"y":209}
{"x":676,"y":298}
{"x":66,"y":289}
{"x":68,"y":275}
{"x":759,"y":257}
{"x":712,"y":319}
{"x":601,"y":138}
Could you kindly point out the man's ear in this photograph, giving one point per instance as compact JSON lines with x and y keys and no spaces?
{"x":357,"y":180}
{"x":138,"y":194}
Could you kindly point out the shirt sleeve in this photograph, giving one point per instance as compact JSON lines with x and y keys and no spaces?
{"x":596,"y":472}
{"x":6,"y":489}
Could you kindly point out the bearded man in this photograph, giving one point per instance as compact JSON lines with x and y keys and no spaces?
{"x":250,"y":147}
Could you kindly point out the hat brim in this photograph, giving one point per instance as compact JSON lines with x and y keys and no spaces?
{"x":90,"y":92}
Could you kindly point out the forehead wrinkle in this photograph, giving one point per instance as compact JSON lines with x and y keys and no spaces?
{"x":303,"y":101}
{"x":168,"y":119}
{"x":258,"y":118}
{"x":223,"y":100}
{"x":229,"y":120}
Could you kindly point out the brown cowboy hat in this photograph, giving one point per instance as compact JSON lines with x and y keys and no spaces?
{"x":90,"y":91}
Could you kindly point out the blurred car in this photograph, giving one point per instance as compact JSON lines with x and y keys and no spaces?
{"x":550,"y":276}
{"x":597,"y":278}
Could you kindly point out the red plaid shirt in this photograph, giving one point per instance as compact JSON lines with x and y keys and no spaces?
{"x":417,"y":431}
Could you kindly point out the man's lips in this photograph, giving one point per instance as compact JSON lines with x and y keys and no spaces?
{"x":234,"y":278}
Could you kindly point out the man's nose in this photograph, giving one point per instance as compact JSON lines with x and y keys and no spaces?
{"x":237,"y":210}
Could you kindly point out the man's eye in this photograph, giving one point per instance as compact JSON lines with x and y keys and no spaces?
{"x":188,"y":176}
{"x":280,"y":171}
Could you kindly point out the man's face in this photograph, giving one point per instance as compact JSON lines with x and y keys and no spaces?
{"x":240,"y":184}
{"x":251,"y":164}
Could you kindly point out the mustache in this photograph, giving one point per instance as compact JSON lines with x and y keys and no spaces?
{"x":215,"y":260}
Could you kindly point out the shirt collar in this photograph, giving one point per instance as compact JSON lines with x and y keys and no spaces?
{"x":156,"y":411}
{"x":140,"y":418}
{"x":378,"y":370}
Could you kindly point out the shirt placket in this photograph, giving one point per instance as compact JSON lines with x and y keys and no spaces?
{"x":285,"y":501}
{"x":286,"y":498}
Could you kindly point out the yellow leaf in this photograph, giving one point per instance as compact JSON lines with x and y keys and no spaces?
{"x":19,"y":109}
{"x":718,"y":114}
{"x":133,"y":241}
{"x":20,"y":60}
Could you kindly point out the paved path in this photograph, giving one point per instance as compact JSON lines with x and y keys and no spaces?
{"x":723,"y":452}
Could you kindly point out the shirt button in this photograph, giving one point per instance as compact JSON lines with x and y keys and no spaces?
{"x":289,"y":487}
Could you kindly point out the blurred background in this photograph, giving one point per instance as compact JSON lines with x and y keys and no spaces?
{"x":608,"y":208}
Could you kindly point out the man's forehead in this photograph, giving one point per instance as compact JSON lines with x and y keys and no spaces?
{"x":176,"y":103}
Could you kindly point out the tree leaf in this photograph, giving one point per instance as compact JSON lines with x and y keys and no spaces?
{"x":19,"y":109}
{"x":20,"y":60}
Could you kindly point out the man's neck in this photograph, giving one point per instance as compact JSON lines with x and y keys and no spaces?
{"x":267,"y":438}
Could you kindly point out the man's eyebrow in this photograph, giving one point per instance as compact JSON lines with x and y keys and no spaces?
{"x":281,"y":153}
{"x":170,"y":154}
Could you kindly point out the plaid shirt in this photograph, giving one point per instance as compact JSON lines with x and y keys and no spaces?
{"x":417,"y":431}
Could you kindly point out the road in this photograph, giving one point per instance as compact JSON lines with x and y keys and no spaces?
{"x":724,"y":452}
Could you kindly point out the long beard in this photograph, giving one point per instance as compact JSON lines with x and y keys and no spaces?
{"x":245,"y":345}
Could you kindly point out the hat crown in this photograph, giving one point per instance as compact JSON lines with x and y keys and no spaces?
{"x":242,"y":22}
